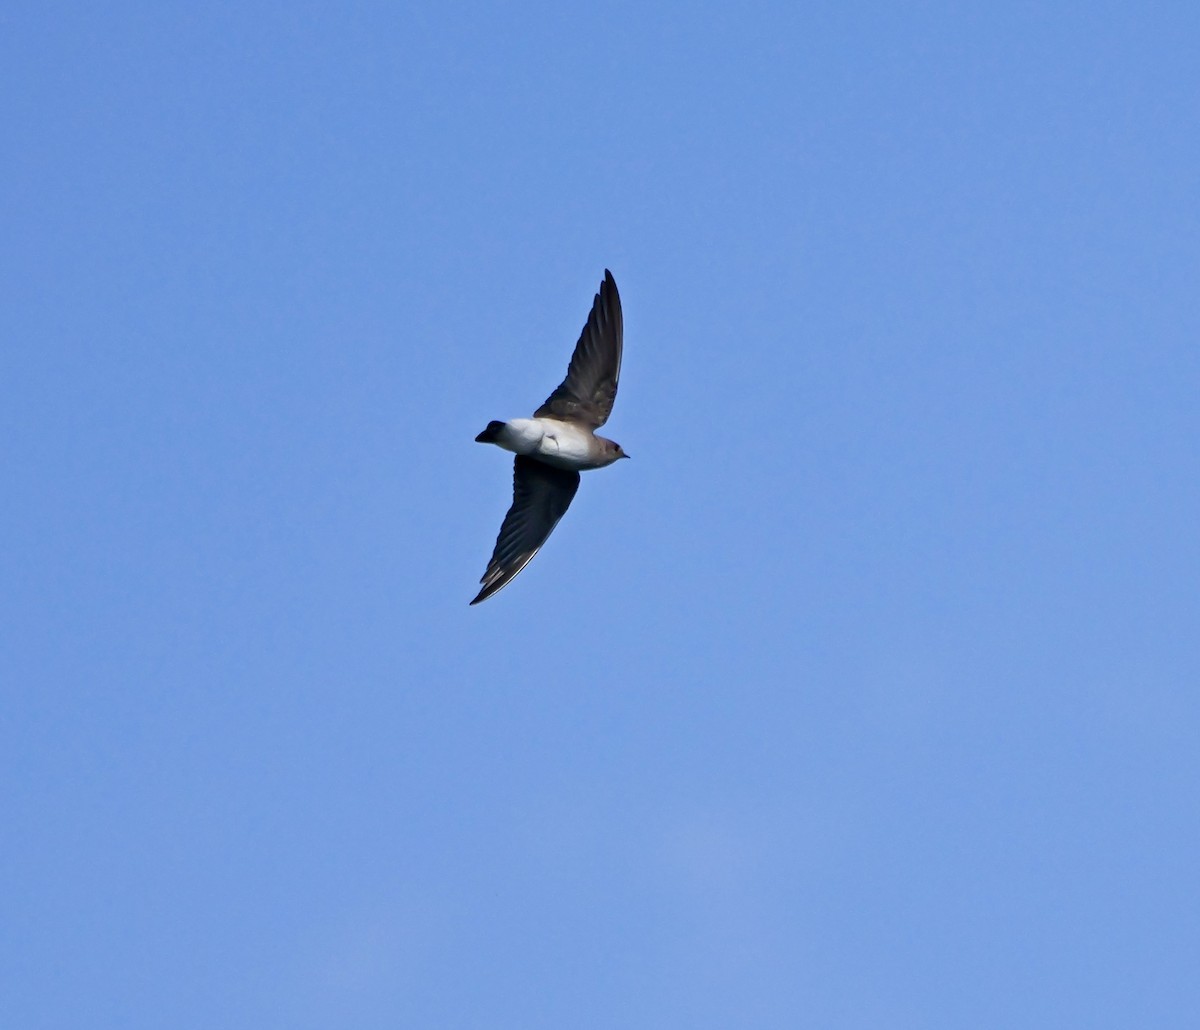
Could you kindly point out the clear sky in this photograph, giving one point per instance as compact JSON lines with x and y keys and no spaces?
{"x":864,"y":696}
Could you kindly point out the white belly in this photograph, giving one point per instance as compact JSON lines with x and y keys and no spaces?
{"x":554,"y":442}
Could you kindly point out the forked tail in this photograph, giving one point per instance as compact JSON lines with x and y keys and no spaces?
{"x":491,"y":434}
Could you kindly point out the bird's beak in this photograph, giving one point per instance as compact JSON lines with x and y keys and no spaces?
{"x":625,"y":455}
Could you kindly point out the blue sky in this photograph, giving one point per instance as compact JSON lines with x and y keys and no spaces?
{"x":864,"y":696}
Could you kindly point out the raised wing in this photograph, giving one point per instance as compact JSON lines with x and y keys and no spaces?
{"x":541,"y":494}
{"x":588,"y":392}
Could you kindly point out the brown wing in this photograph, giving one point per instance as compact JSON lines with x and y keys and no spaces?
{"x":588,"y":392}
{"x":541,"y":494}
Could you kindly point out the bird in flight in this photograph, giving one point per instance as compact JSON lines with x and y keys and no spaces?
{"x":559,"y":442}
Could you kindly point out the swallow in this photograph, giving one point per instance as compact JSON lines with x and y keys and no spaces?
{"x":558,"y":442}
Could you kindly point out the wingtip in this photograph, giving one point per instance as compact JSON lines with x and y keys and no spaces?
{"x":485,"y":592}
{"x":609,"y":294}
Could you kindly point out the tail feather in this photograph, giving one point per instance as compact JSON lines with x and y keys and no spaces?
{"x":491,"y":434}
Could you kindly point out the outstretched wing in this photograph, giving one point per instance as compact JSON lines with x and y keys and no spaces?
{"x":541,"y":494}
{"x":588,"y":392}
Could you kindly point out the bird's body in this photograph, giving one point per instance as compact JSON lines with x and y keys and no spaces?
{"x":558,"y":442}
{"x":565,"y":445}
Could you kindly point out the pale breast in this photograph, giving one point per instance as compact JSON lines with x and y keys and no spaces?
{"x":565,"y":445}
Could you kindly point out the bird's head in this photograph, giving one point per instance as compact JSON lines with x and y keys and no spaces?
{"x":613,"y":451}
